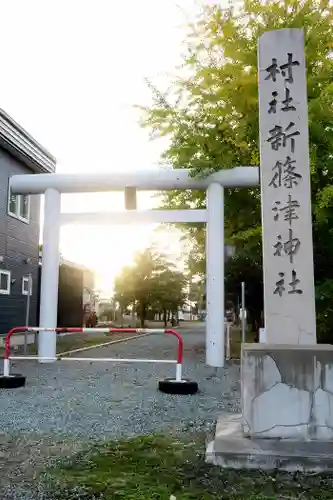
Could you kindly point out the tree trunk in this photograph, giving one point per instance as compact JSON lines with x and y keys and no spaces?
{"x":165,"y":317}
{"x":143,"y":315}
{"x":122,"y":316}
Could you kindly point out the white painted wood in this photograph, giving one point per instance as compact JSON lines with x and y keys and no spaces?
{"x":149,"y":180}
{"x":135,"y":217}
{"x":215,"y":276}
{"x":50,"y":275}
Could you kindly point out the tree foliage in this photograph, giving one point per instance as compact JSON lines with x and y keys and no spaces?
{"x":211,"y":118}
{"x":197,"y":296}
{"x":152,"y":282}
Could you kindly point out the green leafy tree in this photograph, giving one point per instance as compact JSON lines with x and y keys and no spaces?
{"x":152,"y":282}
{"x":169,"y":291}
{"x":123,"y":289}
{"x":196,"y":295}
{"x":211,"y":118}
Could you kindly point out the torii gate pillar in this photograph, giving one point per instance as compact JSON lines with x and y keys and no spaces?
{"x":215,"y":276}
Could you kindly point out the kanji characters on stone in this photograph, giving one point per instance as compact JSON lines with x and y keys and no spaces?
{"x":285,"y":174}
{"x":281,"y":138}
{"x":293,"y":285}
{"x":287,"y":102}
{"x":288,"y":210}
{"x":286,"y":69}
{"x":289,"y":247}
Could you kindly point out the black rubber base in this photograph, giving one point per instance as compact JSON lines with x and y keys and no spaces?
{"x":185,"y":387}
{"x":12,"y":382}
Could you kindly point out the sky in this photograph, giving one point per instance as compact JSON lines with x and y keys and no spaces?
{"x":72,"y":71}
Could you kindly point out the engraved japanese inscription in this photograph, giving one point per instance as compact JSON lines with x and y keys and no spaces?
{"x":285,"y":188}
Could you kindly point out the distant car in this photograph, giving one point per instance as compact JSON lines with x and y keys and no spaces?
{"x":229,"y":316}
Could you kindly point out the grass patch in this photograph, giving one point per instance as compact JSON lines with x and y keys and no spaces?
{"x":156,"y":467}
{"x":81,"y":340}
{"x":74,"y":341}
{"x":236,"y":340}
{"x":235,"y":347}
{"x":71,"y":342}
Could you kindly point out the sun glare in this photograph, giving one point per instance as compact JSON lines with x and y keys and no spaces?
{"x":91,"y":123}
{"x":106,"y":249}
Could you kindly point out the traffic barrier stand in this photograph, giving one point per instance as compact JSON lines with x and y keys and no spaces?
{"x":177,"y":385}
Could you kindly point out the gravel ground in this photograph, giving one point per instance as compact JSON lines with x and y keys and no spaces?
{"x":67,"y":404}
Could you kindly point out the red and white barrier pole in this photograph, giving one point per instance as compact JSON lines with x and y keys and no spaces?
{"x":178,"y":372}
{"x":19,"y":329}
{"x":6,"y":367}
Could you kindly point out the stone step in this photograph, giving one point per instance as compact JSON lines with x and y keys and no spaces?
{"x":230,"y":449}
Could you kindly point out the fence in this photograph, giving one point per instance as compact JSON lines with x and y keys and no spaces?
{"x":21,"y":329}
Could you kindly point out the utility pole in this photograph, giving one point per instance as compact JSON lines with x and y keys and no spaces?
{"x":243,"y":312}
{"x":27,"y":312}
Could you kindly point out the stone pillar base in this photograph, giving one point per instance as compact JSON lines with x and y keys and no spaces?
{"x":287,"y":391}
{"x":230,"y":449}
{"x":287,"y":411}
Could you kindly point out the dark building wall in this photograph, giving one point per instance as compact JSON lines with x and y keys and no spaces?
{"x":18,"y":242}
{"x":70,"y":296}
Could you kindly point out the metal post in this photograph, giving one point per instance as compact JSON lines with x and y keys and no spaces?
{"x":133,"y":317}
{"x":50,"y":275}
{"x":215,"y":276}
{"x":189,"y":295}
{"x":243,"y":312}
{"x":27,"y":313}
{"x":228,"y":353}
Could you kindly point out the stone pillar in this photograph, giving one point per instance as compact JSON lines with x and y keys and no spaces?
{"x":282,"y":379}
{"x":50,"y":274}
{"x":285,"y":189}
{"x":286,"y":382}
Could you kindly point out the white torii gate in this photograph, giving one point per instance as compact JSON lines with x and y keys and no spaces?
{"x":52,"y":185}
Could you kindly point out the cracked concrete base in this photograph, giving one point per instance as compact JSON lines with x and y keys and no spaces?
{"x":230,"y":449}
{"x":287,"y":391}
